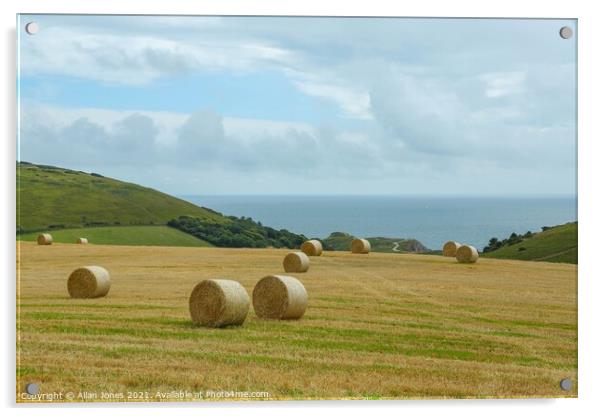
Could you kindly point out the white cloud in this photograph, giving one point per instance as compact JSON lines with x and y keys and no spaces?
{"x":207,"y":153}
{"x":501,"y":84}
{"x":167,"y":122}
{"x":354,"y":103}
{"x":108,"y":137}
{"x":138,"y":59}
{"x":423,"y":108}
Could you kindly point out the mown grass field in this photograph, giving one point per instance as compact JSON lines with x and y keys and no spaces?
{"x":377,"y":326}
{"x":143,"y":235}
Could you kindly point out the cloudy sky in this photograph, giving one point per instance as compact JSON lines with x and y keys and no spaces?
{"x":223,"y":105}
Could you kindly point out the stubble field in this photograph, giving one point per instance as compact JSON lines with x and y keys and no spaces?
{"x":378,"y":326}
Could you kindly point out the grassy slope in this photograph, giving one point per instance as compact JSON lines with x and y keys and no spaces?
{"x":342,"y":242}
{"x":376,"y":326}
{"x":47,"y":196}
{"x":143,"y":235}
{"x":558,"y":244}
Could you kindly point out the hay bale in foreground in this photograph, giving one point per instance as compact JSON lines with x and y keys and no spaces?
{"x":218,"y":303}
{"x":312,"y":247}
{"x":279,"y":297}
{"x":89,"y":282}
{"x":467,"y":254}
{"x":81,"y":240}
{"x":296,"y":262}
{"x":450,"y":248}
{"x":360,"y":246}
{"x":44,"y":239}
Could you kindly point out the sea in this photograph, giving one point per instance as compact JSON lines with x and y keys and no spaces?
{"x":431,"y":220}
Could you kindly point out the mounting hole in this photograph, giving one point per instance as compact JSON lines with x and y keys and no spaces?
{"x":32,"y":28}
{"x":566,"y":384}
{"x":566,"y":32}
{"x":32,"y":388}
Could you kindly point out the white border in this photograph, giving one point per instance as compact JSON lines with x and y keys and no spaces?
{"x":590,"y":275}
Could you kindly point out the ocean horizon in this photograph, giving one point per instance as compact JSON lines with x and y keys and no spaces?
{"x":430,"y":220}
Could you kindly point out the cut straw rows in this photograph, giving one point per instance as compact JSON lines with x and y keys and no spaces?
{"x":222,"y":302}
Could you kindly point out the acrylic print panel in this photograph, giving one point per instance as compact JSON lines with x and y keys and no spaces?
{"x":171,"y":171}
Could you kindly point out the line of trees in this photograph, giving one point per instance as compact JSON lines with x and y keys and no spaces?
{"x":237,"y":232}
{"x":514,"y":238}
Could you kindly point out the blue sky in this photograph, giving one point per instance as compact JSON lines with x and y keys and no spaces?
{"x":218,"y":105}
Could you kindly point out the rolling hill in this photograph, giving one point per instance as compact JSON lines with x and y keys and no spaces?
{"x":342,"y":241}
{"x":554,"y":244}
{"x":73,"y":204}
{"x":49,"y":198}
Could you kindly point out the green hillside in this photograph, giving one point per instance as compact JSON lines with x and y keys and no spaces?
{"x":54,"y":198}
{"x":555,"y":244}
{"x":340,"y":241}
{"x":72,"y":204}
{"x":137,"y":235}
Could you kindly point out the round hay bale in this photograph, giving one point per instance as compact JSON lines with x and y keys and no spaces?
{"x":89,"y":282}
{"x":81,"y":240}
{"x":360,"y":246}
{"x":219,"y":302}
{"x":450,"y":248}
{"x":44,"y":239}
{"x":312,"y":248}
{"x":296,"y":262}
{"x":467,"y":254}
{"x":279,"y":297}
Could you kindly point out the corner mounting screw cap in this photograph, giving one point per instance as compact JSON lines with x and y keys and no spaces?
{"x":32,"y":28}
{"x":566,"y":32}
{"x":32,"y":388}
{"x":566,"y":384}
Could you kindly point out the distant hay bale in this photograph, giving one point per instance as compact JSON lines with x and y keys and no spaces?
{"x":89,"y":282}
{"x":44,"y":239}
{"x":360,"y":246}
{"x":450,"y":248}
{"x":467,"y":254}
{"x":81,"y":240}
{"x":312,"y":248}
{"x":279,"y":297}
{"x":219,"y":302}
{"x":296,"y":262}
